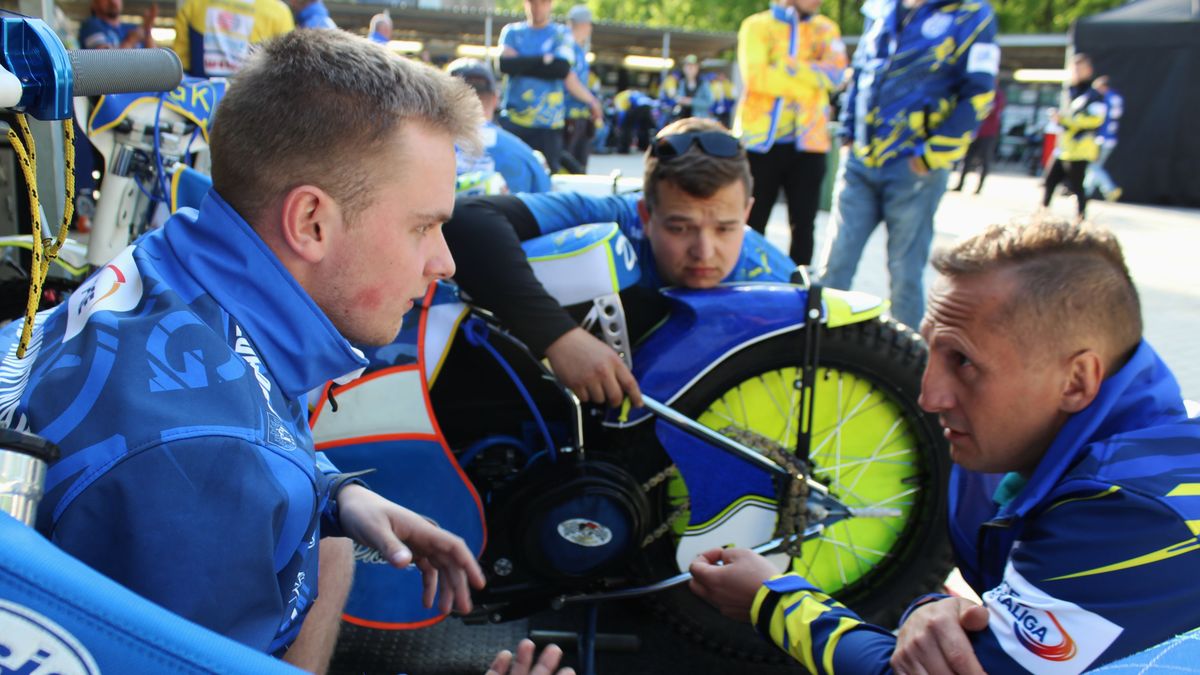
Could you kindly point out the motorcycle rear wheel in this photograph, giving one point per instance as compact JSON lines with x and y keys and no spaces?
{"x":871,"y":445}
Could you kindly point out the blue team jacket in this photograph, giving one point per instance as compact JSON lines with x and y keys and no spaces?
{"x":1093,"y":559}
{"x":923,"y":80}
{"x":554,"y":211}
{"x":174,"y":380}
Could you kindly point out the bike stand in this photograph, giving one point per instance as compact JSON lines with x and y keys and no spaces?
{"x":588,"y":640}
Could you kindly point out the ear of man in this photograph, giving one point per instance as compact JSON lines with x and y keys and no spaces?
{"x":1085,"y":373}
{"x":309,"y":220}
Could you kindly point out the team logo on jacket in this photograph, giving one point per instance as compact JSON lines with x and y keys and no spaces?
{"x":31,"y":644}
{"x":116,"y":288}
{"x":1042,"y":633}
{"x":936,"y":25}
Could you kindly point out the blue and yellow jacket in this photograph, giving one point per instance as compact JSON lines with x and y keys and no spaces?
{"x":1090,"y":560}
{"x":554,"y":211}
{"x":1082,"y":126}
{"x":924,"y":79}
{"x":789,"y":65}
{"x":175,"y":382}
{"x":213,"y":37}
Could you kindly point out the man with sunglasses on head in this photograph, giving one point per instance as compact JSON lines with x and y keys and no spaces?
{"x":687,"y":228}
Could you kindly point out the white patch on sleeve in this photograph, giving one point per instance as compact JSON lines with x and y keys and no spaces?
{"x":115,"y":288}
{"x":984,"y":58}
{"x":1041,"y":632}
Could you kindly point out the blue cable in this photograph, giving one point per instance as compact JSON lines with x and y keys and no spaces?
{"x":476,"y":332}
{"x":484,"y":443}
{"x":158,"y":163}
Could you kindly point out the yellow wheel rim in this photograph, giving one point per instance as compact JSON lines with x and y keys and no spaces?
{"x":863,"y":449}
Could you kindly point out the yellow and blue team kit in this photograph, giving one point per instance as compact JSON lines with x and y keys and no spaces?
{"x":213,"y":37}
{"x":789,"y":66}
{"x":1085,"y":562}
{"x":924,"y":79}
{"x":535,"y":102}
{"x":1082,"y":126}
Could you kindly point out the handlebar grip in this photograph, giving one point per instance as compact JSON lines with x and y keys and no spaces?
{"x":120,"y":71}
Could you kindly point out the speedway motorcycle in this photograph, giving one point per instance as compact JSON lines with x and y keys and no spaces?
{"x":780,"y":417}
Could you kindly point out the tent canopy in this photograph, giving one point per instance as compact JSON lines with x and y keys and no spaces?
{"x":1150,"y":50}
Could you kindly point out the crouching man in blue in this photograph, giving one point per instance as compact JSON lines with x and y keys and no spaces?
{"x":687,"y":229}
{"x":1072,"y":507}
{"x":175,"y":379}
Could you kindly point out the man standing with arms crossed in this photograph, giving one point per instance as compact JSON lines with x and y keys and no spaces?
{"x":924,"y":78}
{"x":537,"y":55}
{"x":790,"y":59}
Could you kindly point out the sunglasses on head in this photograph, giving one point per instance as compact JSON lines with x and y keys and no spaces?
{"x":714,"y":143}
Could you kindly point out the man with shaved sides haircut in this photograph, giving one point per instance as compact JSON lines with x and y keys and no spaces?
{"x":1073,"y":509}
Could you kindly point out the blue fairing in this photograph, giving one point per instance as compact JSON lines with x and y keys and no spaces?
{"x":715,"y":479}
{"x":61,"y":615}
{"x":705,"y":327}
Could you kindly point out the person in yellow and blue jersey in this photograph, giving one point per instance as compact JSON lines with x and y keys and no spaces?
{"x":1079,"y":141}
{"x":1073,"y":500}
{"x":924,"y":78}
{"x":213,"y":37}
{"x":537,"y":55}
{"x":790,"y":59}
{"x":580,"y":125}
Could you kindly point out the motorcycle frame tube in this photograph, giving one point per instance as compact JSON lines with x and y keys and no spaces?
{"x":707,"y":326}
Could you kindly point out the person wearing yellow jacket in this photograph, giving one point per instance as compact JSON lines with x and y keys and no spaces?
{"x":790,"y":58}
{"x":213,"y":37}
{"x":1079,"y":142}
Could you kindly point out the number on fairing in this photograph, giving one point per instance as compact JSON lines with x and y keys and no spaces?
{"x":625,"y":250}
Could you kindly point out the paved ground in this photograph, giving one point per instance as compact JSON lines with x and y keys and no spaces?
{"x":1160,"y":245}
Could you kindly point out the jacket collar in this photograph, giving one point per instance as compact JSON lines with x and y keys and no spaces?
{"x":1143,"y":393}
{"x":299,"y":346}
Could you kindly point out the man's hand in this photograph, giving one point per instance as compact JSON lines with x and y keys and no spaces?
{"x":592,"y":369}
{"x":934,"y":639}
{"x":524,"y":664}
{"x":134,"y":38}
{"x":918,"y":166}
{"x":729,"y":578}
{"x":597,"y":111}
{"x":148,"y":20}
{"x":404,"y":537}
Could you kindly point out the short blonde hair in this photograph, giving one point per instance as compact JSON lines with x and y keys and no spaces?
{"x":1072,"y":281}
{"x":310,"y":108}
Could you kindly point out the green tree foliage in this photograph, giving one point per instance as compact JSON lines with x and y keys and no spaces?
{"x":1016,"y":16}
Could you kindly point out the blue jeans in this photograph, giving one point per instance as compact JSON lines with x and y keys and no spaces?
{"x":1097,"y":176}
{"x":905,"y":202}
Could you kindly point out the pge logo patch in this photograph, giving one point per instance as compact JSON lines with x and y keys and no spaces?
{"x":32,"y":644}
{"x":116,"y":288}
{"x":1043,"y":633}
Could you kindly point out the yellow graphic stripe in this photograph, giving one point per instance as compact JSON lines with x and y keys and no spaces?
{"x":845,"y":625}
{"x":1098,"y":495}
{"x":1185,"y":490}
{"x":1185,"y":546}
{"x":1193,"y":525}
{"x":983,"y":104}
{"x":728,"y":510}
